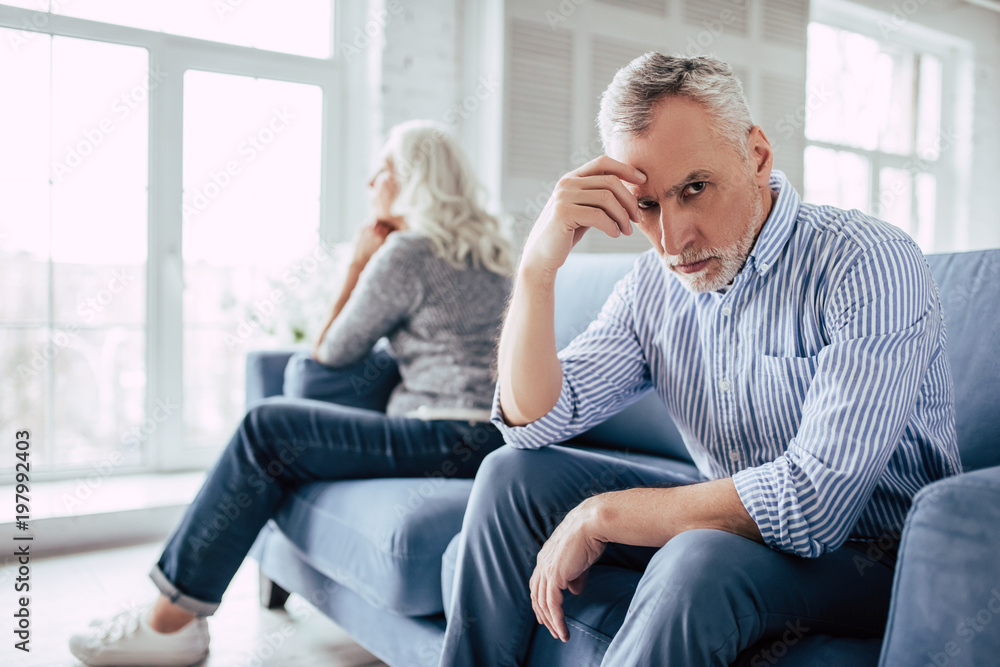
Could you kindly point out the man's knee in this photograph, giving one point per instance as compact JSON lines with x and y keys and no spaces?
{"x":505,"y":469}
{"x":701,"y":562}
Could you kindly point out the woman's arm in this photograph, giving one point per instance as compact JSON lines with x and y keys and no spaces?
{"x":369,"y":238}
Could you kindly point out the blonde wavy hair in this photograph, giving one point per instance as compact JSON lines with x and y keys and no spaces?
{"x":439,"y":196}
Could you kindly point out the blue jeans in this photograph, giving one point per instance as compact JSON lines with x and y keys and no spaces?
{"x":284,"y":443}
{"x":703,"y":598}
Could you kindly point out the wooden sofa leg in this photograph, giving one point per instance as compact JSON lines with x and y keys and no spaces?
{"x":272,"y":596}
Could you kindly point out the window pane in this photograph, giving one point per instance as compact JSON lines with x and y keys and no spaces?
{"x":289,"y":26}
{"x":74,"y":176}
{"x":23,"y":364}
{"x":846,"y":93}
{"x":860,"y":91}
{"x":896,"y":198}
{"x":896,"y":71}
{"x":24,"y":176}
{"x":99,"y":160}
{"x":251,"y":212}
{"x":926,"y":209}
{"x":837,"y":178}
{"x":100,"y":390}
{"x":929,"y":109}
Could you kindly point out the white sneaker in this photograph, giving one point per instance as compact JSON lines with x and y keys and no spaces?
{"x":127,"y":639}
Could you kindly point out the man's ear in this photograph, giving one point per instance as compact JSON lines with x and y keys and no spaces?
{"x":761,"y":156}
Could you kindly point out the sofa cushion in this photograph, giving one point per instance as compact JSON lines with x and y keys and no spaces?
{"x":382,"y":539}
{"x":969,"y":284}
{"x":583,"y":284}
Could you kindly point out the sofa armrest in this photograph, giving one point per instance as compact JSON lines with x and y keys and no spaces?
{"x":265,"y":374}
{"x":946,"y":593}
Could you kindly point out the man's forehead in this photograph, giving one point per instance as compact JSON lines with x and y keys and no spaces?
{"x":667,"y":162}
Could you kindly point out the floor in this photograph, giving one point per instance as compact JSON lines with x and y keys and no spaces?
{"x":68,"y":591}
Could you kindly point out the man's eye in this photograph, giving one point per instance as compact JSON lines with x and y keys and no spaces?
{"x":645,"y":205}
{"x":695,"y":188}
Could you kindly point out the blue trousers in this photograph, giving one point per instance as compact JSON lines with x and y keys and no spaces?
{"x":283,"y":443}
{"x":704,"y":597}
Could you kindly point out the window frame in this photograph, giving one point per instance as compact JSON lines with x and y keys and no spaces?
{"x":173,"y":55}
{"x":951,"y":168}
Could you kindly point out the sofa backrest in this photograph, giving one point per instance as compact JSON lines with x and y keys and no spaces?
{"x":969,"y":284}
{"x":583,"y":284}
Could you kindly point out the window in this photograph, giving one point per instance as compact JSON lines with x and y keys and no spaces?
{"x":880,"y":126}
{"x":154,"y":192}
{"x":251,"y":210}
{"x":73,"y":200}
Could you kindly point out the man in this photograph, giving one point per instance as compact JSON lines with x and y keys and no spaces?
{"x":799,"y":349}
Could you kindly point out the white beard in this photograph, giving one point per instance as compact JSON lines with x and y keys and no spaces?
{"x":731,"y":259}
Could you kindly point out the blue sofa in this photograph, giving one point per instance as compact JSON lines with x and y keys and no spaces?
{"x":377,"y":556}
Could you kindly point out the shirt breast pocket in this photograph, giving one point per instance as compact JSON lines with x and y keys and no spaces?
{"x":778,"y":389}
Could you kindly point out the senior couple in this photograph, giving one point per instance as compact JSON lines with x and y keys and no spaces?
{"x":799,"y":349}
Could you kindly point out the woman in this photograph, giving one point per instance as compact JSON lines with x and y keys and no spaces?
{"x":431,"y":273}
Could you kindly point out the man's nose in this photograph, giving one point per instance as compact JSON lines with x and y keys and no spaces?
{"x":676,"y":232}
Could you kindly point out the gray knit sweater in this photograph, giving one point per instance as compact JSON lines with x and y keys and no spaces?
{"x":442,"y":324}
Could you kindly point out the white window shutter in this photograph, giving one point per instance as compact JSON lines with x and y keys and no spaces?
{"x":560,"y":60}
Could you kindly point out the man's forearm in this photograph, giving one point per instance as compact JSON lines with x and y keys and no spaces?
{"x":652,"y":516}
{"x":530,"y":375}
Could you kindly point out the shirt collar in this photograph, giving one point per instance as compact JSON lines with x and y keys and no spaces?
{"x":779,"y":224}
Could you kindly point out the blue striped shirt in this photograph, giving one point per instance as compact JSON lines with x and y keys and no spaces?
{"x":818,"y":380}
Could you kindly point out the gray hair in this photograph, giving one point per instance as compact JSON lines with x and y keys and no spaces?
{"x":627,"y":104}
{"x":439,"y":195}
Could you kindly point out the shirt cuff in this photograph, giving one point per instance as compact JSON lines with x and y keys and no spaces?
{"x":546,"y":430}
{"x":759,"y":503}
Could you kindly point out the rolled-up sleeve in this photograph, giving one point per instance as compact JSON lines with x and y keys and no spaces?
{"x":885,"y":329}
{"x":604,"y":371}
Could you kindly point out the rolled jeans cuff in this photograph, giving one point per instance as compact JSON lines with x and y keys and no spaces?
{"x":185,"y":602}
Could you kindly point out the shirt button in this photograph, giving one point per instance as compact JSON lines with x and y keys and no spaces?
{"x":725,"y":385}
{"x":734,"y":456}
{"x":727,"y":311}
{"x":763,"y":266}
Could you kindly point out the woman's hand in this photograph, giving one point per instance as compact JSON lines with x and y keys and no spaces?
{"x":370,"y":237}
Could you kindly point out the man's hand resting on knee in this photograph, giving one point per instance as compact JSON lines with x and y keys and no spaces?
{"x":638,"y":517}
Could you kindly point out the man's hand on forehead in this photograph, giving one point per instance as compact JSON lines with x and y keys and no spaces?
{"x":594,"y":195}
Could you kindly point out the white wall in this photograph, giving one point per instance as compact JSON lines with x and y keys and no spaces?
{"x":432,"y":59}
